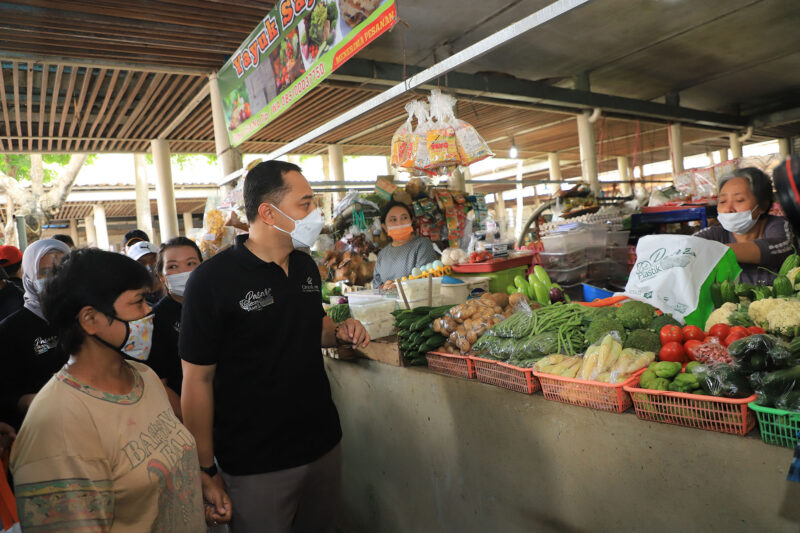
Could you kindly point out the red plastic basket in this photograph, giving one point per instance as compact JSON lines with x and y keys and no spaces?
{"x":593,"y":394}
{"x":505,"y":375}
{"x":723,"y":415}
{"x":451,"y":364}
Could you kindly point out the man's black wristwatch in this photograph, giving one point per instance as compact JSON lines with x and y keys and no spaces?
{"x":211,"y":470}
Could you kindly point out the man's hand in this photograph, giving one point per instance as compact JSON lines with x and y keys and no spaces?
{"x":351,"y":331}
{"x":218,"y":508}
{"x":7,"y":436}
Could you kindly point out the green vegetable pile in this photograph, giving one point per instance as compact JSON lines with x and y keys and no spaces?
{"x":528,"y":336}
{"x":773,"y":367}
{"x":339,"y":313}
{"x":415,"y":332}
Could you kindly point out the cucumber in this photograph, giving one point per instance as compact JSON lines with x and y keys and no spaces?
{"x":433,"y":342}
{"x":438,"y":312}
{"x":427,"y":333}
{"x":421,"y":324}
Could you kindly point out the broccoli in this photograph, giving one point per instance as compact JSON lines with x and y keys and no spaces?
{"x":593,"y":313}
{"x":662,"y":320}
{"x":600,"y":327}
{"x":634,"y":314}
{"x":316,"y":23}
{"x":643,"y":339}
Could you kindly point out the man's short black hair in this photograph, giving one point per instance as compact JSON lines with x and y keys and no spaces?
{"x":264,"y":183}
{"x":136,"y":234}
{"x":87,"y":276}
{"x":66,"y":239}
{"x":175,"y":242}
{"x":12,"y":270}
{"x":394,"y":203}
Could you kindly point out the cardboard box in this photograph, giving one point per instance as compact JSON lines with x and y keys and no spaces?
{"x":385,"y":188}
{"x":384,"y":350}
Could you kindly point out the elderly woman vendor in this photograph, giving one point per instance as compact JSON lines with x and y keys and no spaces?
{"x":757,"y":238}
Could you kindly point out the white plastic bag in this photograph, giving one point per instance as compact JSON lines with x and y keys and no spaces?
{"x":670,"y":271}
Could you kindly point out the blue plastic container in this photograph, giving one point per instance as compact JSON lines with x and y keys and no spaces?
{"x":591,"y":293}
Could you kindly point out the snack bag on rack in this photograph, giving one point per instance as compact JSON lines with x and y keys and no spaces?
{"x":404,"y":142}
{"x":216,"y":236}
{"x":441,"y":136}
{"x":422,"y":159}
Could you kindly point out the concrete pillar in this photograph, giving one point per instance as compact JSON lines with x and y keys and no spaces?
{"x":456,"y":181}
{"x":73,"y":230}
{"x":722,"y":155}
{"x":624,"y":176}
{"x":469,"y":188}
{"x":520,"y":205}
{"x":335,"y":167}
{"x":230,"y":158}
{"x":188,"y":224}
{"x":144,"y":219}
{"x":588,"y":152}
{"x":784,"y":147}
{"x":736,"y":145}
{"x":101,"y":227}
{"x":555,"y":166}
{"x":676,"y":148}
{"x":500,"y":215}
{"x":91,"y":234}
{"x":167,"y":210}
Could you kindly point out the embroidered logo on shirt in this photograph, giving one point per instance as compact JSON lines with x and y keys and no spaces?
{"x":256,"y":300}
{"x":44,"y":344}
{"x":309,"y":286}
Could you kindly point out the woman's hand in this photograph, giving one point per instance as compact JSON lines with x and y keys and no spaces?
{"x":218,"y":508}
{"x":351,"y":331}
{"x":388,"y":285}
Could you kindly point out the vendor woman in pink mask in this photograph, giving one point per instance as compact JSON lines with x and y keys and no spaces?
{"x":406,"y":251}
{"x":757,"y":238}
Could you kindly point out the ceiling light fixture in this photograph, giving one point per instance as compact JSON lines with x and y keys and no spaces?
{"x":513,"y":152}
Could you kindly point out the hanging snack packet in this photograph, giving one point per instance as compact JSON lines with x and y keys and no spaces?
{"x":441,"y":137}
{"x":471,"y":146}
{"x":404,"y":142}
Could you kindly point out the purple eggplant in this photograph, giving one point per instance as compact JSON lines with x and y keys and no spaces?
{"x":556,"y":295}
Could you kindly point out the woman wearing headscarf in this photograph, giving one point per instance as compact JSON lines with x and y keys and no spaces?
{"x":30,"y":354}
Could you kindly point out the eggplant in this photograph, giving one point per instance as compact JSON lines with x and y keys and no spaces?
{"x":556,"y":295}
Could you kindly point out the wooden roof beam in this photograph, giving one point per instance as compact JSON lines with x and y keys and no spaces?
{"x":75,"y":62}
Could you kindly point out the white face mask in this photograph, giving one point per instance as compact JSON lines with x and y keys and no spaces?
{"x":739,"y":223}
{"x":176,"y":283}
{"x":306,"y":230}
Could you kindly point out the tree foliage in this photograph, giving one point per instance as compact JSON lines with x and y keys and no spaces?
{"x":18,"y":166}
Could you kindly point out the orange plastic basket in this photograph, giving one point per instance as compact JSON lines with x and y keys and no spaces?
{"x":593,"y":394}
{"x":723,"y":415}
{"x":450,"y":364}
{"x":504,"y":375}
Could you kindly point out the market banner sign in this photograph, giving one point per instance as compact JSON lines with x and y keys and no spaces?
{"x":296,"y":46}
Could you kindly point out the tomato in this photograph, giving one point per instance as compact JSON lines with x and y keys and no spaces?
{"x":690,"y":346}
{"x":740,"y":329}
{"x":734,"y":336}
{"x":671,"y":334}
{"x":755,"y":330}
{"x":719,"y":330}
{"x":693,"y":333}
{"x":672,"y":351}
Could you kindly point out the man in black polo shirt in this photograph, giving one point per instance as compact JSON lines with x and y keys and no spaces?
{"x":251,"y":331}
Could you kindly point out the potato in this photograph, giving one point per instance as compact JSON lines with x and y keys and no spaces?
{"x":472,"y":336}
{"x":500,"y":299}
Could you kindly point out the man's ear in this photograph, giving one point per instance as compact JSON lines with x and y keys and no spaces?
{"x":91,"y":320}
{"x":267,"y":214}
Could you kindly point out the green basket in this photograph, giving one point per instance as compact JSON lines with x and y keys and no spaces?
{"x":777,"y":426}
